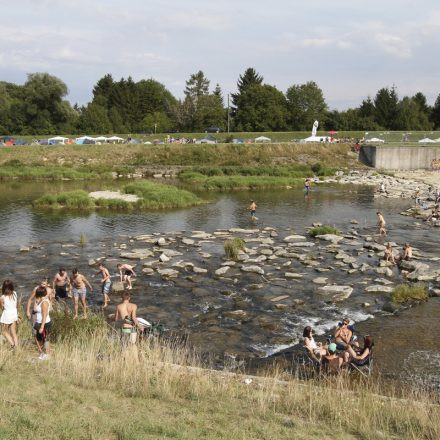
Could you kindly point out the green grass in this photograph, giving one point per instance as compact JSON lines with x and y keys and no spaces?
{"x":408,"y":293}
{"x":233,"y":247}
{"x":152,"y":195}
{"x":234,"y":183}
{"x":324,"y":229}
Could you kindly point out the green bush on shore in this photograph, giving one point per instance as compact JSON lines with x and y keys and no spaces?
{"x":405,"y":293}
{"x":324,"y":229}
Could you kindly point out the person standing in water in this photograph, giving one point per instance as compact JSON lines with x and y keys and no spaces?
{"x":381,"y":223}
{"x":126,"y":312}
{"x":128,"y":273}
{"x":307,"y":185}
{"x":106,"y":284}
{"x":60,"y":284}
{"x":9,"y":318}
{"x":253,"y":208}
{"x":78,"y":283}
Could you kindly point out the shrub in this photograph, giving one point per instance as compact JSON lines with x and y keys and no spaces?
{"x":405,"y":293}
{"x":233,"y":247}
{"x":316,"y":168}
{"x":324,"y":229}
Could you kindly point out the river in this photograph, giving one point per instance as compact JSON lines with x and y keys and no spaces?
{"x":196,"y":305}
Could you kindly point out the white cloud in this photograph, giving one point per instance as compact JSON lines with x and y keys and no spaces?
{"x":394,"y":45}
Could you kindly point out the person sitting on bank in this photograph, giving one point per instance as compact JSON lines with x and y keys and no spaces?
{"x":435,"y":214}
{"x":344,"y":335}
{"x":331,"y":362}
{"x":363,"y":357}
{"x":126,"y":312}
{"x":316,"y":351}
{"x":388,"y":254}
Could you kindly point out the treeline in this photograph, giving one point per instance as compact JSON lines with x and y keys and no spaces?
{"x":125,"y":106}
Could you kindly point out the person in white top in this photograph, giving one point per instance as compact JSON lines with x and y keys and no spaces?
{"x":43,"y":323}
{"x":9,"y":318}
{"x":315,"y":350}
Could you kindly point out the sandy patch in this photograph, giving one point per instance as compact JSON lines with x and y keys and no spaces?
{"x":132,"y":198}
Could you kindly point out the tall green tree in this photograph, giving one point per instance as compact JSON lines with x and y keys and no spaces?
{"x":435,"y":114}
{"x":386,"y":108}
{"x":306,"y":104}
{"x":261,"y":108}
{"x":411,"y":115}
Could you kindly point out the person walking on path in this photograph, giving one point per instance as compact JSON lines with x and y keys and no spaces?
{"x":78,"y":283}
{"x":252,"y":209}
{"x":60,"y":284}
{"x":128,"y":273}
{"x":106,"y":284}
{"x":381,"y":223}
{"x":9,"y":318}
{"x":43,"y":323}
{"x":126,"y":312}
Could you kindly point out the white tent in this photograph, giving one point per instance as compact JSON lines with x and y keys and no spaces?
{"x":375,"y":140}
{"x":314,"y":139}
{"x":263,"y":139}
{"x":426,"y":141}
{"x":101,"y":138}
{"x":59,"y":139}
{"x":115,"y":138}
{"x":85,"y":138}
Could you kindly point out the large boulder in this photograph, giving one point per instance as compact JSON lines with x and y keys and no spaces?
{"x":292,"y":238}
{"x":168,"y":273}
{"x":333,"y":238}
{"x":137,"y":254}
{"x":339,"y":293}
{"x":117,"y":287}
{"x":222,"y":270}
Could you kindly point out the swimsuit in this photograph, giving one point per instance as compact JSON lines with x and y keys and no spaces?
{"x":106,"y":286}
{"x":79,"y":291}
{"x":61,"y":291}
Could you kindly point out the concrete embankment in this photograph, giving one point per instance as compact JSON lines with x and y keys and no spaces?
{"x":401,"y":157}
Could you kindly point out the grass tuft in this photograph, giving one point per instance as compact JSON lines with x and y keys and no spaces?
{"x":405,"y":293}
{"x":233,"y":248}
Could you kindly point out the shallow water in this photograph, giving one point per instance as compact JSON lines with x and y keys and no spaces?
{"x":195,"y":306}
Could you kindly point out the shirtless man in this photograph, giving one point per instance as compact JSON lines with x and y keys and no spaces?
{"x":307,"y":185}
{"x":381,"y":223}
{"x":253,"y":208}
{"x":106,"y":284}
{"x":60,"y":284}
{"x":332,"y":362}
{"x":388,"y":254}
{"x":126,"y":312}
{"x":343,"y":335}
{"x":406,"y":254}
{"x":128,"y":273}
{"x":78,"y":286}
{"x":50,"y":296}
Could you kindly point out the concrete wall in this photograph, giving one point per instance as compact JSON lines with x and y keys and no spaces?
{"x":401,"y":158}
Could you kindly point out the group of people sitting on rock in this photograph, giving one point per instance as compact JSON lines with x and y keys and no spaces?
{"x":405,"y":255}
{"x":339,"y":351}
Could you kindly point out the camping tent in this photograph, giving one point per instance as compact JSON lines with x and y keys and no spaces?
{"x":426,"y":141}
{"x":101,"y":138}
{"x":57,"y":140}
{"x":263,"y":139}
{"x":82,"y":140}
{"x":208,"y":139}
{"x":115,"y":139}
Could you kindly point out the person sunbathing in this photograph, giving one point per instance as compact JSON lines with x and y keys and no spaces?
{"x":344,"y":335}
{"x":406,"y":254}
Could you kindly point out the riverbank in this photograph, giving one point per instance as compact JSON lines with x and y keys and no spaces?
{"x":66,"y":161}
{"x":132,"y":393}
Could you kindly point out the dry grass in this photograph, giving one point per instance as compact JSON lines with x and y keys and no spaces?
{"x":103,"y":157}
{"x":93,"y":388}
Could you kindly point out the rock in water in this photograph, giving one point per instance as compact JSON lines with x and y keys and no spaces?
{"x":164,"y":258}
{"x":168,"y":273}
{"x":339,"y":292}
{"x":253,"y":269}
{"x":222,"y":270}
{"x":117,"y":287}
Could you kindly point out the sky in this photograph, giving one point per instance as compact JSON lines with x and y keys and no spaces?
{"x":349,"y":48}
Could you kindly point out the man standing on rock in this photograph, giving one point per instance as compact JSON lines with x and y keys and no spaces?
{"x":253,"y":208}
{"x":381,"y":223}
{"x":128,"y":273}
{"x":78,"y":283}
{"x":106,"y":284}
{"x":61,"y":283}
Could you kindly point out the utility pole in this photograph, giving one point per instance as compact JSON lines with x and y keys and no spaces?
{"x":228,"y":113}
